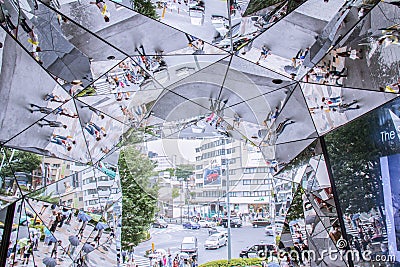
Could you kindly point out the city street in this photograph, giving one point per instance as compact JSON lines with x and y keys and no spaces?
{"x":170,"y":239}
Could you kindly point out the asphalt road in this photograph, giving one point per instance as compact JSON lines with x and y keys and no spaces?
{"x":171,"y":237}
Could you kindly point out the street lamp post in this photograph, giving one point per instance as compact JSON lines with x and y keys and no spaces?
{"x":229,"y":212}
{"x":228,"y":208}
{"x":180,"y":200}
{"x":187,"y":198}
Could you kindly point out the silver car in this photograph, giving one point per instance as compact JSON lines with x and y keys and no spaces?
{"x":215,"y":241}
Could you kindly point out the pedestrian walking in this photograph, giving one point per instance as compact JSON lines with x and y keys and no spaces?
{"x":44,"y":110}
{"x":101,"y":5}
{"x":54,"y":98}
{"x":62,"y":111}
{"x":53,"y":124}
{"x":7,"y":22}
{"x":95,"y":130}
{"x":265,"y":52}
{"x":391,"y":88}
{"x":95,"y":111}
{"x":65,"y":141}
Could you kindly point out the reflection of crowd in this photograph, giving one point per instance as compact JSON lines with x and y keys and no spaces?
{"x":366,"y":234}
{"x":57,"y":233}
{"x":167,"y":261}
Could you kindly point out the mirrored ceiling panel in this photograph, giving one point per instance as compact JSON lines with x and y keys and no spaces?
{"x":58,"y":134}
{"x":308,"y":26}
{"x":332,"y":106}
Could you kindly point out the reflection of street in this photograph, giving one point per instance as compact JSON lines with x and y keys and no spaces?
{"x":170,"y":239}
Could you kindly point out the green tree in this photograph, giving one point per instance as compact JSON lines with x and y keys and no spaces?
{"x":354,"y":158}
{"x":258,"y":5}
{"x":139,"y":200}
{"x":184,"y":171}
{"x":296,"y":207}
{"x":175,"y":193}
{"x":21,"y":161}
{"x":145,"y":7}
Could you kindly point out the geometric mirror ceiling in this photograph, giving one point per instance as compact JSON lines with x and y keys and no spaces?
{"x":81,"y":81}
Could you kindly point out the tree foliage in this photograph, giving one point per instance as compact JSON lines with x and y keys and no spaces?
{"x":175,"y":193}
{"x":181,"y":172}
{"x":233,"y":262}
{"x":21,"y":161}
{"x":139,"y":199}
{"x":258,"y":5}
{"x":296,"y":207}
{"x":354,"y":158}
{"x":145,"y":7}
{"x":184,"y":171}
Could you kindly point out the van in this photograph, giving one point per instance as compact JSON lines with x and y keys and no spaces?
{"x":189,"y":246}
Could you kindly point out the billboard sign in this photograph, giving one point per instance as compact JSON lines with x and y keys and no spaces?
{"x":212,"y":176}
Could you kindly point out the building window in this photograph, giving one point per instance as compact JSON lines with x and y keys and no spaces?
{"x":89,"y":180}
{"x":103,"y":178}
{"x":91,"y":191}
{"x":233,"y":194}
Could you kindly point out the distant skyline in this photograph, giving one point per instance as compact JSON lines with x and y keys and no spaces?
{"x":183,"y":149}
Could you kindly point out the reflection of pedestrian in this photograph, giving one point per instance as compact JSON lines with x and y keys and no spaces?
{"x":43,"y":209}
{"x":54,"y":98}
{"x":55,"y":249}
{"x":265,"y":52}
{"x":65,"y":141}
{"x":103,"y":9}
{"x":53,"y":124}
{"x":44,"y":110}
{"x":391,"y":88}
{"x":95,"y":130}
{"x":65,"y":112}
{"x":27,"y":252}
{"x":95,"y":111}
{"x":8,"y":22}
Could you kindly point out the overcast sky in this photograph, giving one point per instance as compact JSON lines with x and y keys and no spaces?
{"x":182,"y":148}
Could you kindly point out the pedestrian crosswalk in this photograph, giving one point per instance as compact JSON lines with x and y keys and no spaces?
{"x":170,"y":229}
{"x":102,"y":86}
{"x":141,"y":261}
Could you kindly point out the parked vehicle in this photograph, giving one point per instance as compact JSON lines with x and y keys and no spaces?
{"x":191,"y":225}
{"x":189,"y":246}
{"x":235,"y":222}
{"x":206,"y":224}
{"x":258,"y":251}
{"x":215,"y":241}
{"x":160,"y":223}
{"x":261,"y":222}
{"x":196,"y":15}
{"x":215,"y":230}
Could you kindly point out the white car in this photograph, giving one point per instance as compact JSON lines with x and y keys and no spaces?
{"x":220,"y":24}
{"x":215,"y":241}
{"x":269,"y":230}
{"x":206,"y":224}
{"x":196,"y":16}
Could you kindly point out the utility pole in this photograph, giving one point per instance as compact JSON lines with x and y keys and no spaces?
{"x":228,"y":208}
{"x":187,"y":198}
